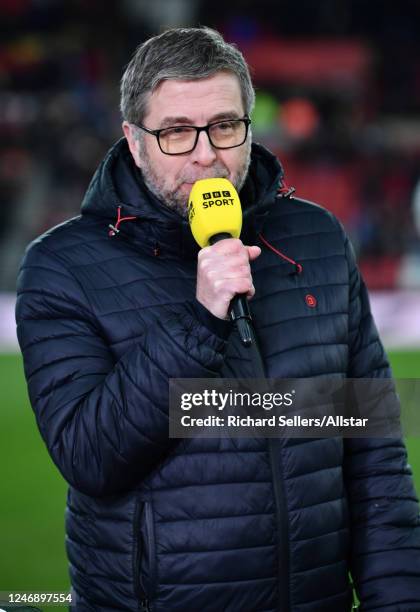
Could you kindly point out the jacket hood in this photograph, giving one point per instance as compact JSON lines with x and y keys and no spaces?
{"x":118,"y":185}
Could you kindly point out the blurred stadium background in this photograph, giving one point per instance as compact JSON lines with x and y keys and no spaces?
{"x":338,"y":99}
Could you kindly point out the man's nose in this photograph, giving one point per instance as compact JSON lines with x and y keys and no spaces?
{"x":204,"y":153}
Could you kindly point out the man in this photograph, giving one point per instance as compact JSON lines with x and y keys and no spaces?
{"x":114,"y":303}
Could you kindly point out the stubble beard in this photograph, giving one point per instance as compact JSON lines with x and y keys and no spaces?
{"x":174,"y":198}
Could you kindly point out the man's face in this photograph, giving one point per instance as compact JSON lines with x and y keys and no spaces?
{"x":199,"y":102}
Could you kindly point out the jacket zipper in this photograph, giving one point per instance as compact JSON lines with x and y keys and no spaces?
{"x":282,"y":524}
{"x":141,"y":595}
{"x":274,"y":450}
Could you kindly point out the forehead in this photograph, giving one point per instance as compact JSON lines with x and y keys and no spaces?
{"x":198,"y":100}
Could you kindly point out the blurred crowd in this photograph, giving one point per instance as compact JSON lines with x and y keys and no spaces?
{"x":338,"y":99}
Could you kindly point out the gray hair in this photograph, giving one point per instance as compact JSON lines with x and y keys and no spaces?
{"x":183,"y":54}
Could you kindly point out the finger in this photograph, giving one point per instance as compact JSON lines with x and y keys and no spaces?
{"x":225,"y":262}
{"x":228,"y":246}
{"x":227,"y":272}
{"x":253,"y":252}
{"x":233,"y":286}
{"x":251,"y":292}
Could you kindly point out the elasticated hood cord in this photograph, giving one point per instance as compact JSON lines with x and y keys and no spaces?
{"x":298,"y":266}
{"x":114,"y":228}
{"x":284,"y":191}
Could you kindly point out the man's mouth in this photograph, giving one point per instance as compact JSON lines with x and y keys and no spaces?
{"x":186,"y":187}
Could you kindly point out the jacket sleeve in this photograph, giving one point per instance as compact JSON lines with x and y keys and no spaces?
{"x":384,"y":510}
{"x":105,"y":423}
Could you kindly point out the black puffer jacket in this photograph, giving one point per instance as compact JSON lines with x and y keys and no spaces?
{"x":234,"y":525}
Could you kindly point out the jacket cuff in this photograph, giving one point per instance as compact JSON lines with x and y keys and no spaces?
{"x":219,"y":327}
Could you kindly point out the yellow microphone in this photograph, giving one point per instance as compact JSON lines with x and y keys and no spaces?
{"x":215,"y":213}
{"x":214,"y":208}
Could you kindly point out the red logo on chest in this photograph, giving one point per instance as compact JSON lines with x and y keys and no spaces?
{"x":310,"y":300}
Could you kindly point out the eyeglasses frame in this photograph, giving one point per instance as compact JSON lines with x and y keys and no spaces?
{"x":205,"y":128}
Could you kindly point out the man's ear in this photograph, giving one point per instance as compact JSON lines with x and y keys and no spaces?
{"x":133,"y":143}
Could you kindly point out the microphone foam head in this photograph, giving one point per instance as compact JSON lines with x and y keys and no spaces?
{"x":214,"y":208}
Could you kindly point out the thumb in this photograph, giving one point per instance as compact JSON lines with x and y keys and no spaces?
{"x":253,"y":252}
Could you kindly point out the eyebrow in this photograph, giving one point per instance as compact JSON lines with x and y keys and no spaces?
{"x":182,"y":120}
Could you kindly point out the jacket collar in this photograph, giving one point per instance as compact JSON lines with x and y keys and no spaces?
{"x":157,"y":229}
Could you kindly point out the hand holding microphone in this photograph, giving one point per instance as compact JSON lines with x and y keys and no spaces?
{"x":224,"y":280}
{"x":223,"y":271}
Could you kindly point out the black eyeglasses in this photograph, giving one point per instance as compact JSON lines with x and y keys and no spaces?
{"x":181,"y":139}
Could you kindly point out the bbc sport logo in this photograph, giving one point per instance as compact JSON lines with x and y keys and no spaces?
{"x":216,"y":194}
